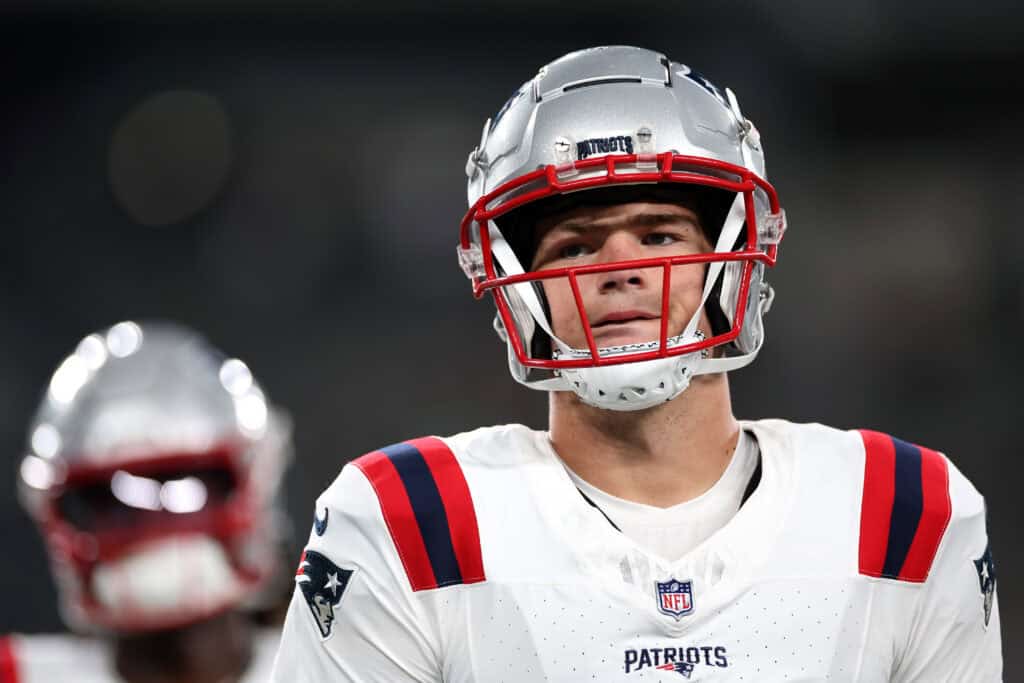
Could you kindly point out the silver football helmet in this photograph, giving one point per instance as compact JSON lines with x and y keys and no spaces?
{"x":603,"y":126}
{"x":152,"y":470}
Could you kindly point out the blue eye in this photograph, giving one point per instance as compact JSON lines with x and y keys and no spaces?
{"x":659,"y":239}
{"x":573,"y":251}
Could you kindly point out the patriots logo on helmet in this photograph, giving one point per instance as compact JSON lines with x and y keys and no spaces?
{"x":323,"y":584}
{"x":701,"y":80}
{"x":684,"y":669}
{"x":505,"y":107}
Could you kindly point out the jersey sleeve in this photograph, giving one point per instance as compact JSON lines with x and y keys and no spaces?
{"x":353,"y":616}
{"x":954,"y":634}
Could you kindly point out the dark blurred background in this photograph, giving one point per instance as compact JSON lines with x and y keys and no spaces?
{"x":288,"y":178}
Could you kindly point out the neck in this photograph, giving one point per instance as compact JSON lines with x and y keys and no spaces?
{"x":661,"y":456}
{"x":213,"y":651}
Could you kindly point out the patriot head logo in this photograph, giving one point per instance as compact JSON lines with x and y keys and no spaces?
{"x":675,"y":598}
{"x":320,"y":525}
{"x":322,"y":583}
{"x":685,"y":669}
{"x":986,"y":568}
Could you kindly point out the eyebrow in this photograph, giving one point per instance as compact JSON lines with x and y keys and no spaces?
{"x":643,"y":220}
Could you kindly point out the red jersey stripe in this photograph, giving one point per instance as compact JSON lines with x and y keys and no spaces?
{"x":400,"y":518}
{"x":876,"y":501}
{"x":935,"y":515}
{"x":8,"y":662}
{"x":458,"y":506}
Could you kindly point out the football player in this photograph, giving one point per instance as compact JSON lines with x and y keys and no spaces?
{"x":622,"y":221}
{"x":152,"y":471}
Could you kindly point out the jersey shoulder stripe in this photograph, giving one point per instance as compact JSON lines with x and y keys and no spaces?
{"x":905,"y":508}
{"x":8,"y":664}
{"x":428,"y":510}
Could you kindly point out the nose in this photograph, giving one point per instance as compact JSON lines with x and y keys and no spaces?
{"x":622,"y":279}
{"x":621,"y":246}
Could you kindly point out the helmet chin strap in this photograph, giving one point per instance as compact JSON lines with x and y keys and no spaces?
{"x":629,"y":386}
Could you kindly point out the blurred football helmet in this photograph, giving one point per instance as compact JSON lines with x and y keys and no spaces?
{"x":153,"y":467}
{"x":610,"y":125}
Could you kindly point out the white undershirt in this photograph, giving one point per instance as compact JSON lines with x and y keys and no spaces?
{"x":674,"y":531}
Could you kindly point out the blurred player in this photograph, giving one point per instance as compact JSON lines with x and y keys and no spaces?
{"x":621,"y":219}
{"x":153,"y":472}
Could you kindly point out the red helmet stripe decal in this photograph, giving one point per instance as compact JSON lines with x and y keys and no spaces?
{"x":8,"y":662}
{"x":458,"y":505}
{"x":905,"y":508}
{"x":399,"y":517}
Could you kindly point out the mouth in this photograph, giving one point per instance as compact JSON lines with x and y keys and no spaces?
{"x":622,"y":318}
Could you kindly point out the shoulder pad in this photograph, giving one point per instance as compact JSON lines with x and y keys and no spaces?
{"x":905,"y":508}
{"x":429,"y":511}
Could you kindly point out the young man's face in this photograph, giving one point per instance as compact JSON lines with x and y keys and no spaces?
{"x":623,"y":306}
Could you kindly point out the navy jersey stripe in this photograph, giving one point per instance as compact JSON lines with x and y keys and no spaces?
{"x":428,"y":507}
{"x":906,"y":508}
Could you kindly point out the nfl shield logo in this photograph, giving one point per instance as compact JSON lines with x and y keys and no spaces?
{"x":675,"y":598}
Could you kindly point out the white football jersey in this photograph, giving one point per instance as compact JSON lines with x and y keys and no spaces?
{"x":857,"y":557}
{"x":67,"y":657}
